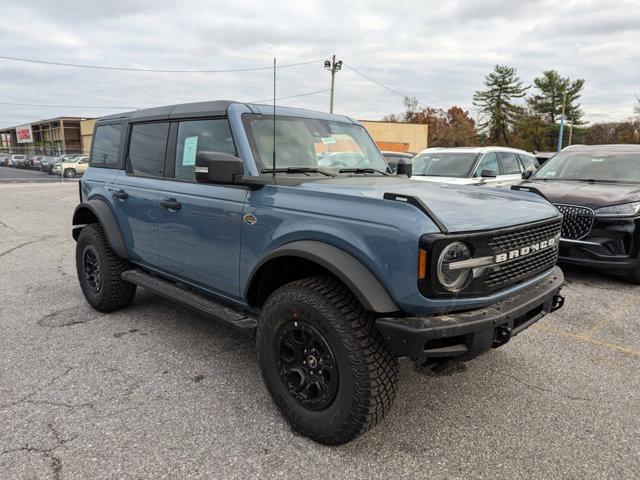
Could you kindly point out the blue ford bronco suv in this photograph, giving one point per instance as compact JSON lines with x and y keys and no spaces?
{"x":338,"y":266}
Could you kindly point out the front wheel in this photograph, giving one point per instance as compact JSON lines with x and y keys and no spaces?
{"x":69,"y":173}
{"x":323,"y":360}
{"x":99,"y":271}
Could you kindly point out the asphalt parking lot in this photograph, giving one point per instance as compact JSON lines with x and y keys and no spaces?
{"x":21,"y":175}
{"x":156,"y":391}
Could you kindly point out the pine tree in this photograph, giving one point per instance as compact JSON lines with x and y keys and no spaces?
{"x":548,"y":100}
{"x":496,"y":106}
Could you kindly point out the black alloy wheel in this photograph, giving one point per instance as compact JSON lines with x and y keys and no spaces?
{"x":91,"y":267}
{"x":307,"y":365}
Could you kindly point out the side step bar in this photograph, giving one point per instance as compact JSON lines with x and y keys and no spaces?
{"x":191,"y":300}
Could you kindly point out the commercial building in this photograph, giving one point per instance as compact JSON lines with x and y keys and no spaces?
{"x":54,"y":136}
{"x":398,"y":137}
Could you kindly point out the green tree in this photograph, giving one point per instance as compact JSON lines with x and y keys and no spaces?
{"x":610,"y":132}
{"x":548,"y":99}
{"x":531,"y":132}
{"x":498,"y":112}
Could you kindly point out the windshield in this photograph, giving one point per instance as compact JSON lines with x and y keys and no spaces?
{"x":444,"y":164}
{"x":600,"y":166}
{"x":312,"y":143}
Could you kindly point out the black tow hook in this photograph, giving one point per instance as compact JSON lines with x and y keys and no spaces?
{"x":501,"y":336}
{"x":558,"y":302}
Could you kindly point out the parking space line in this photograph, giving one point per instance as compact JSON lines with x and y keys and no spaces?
{"x":588,"y":339}
{"x":610,"y":318}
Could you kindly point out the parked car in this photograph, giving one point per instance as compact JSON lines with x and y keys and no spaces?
{"x":47,"y":164}
{"x":4,"y":159}
{"x":17,"y":160}
{"x":393,"y":158}
{"x":38,"y":160}
{"x":340,"y":271}
{"x":542,"y":157}
{"x":597,"y":189}
{"x":494,"y":166}
{"x":70,"y":167}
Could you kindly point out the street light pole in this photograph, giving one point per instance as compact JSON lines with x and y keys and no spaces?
{"x":564,"y":101}
{"x":333,"y":66}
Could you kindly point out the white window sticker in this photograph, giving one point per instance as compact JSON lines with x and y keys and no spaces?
{"x":328,"y":140}
{"x":190,"y":150}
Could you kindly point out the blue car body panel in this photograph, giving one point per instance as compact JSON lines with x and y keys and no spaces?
{"x":206,"y":243}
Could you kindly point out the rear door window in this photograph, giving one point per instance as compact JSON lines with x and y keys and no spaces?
{"x":529,"y":162}
{"x":489,"y":162}
{"x":106,"y":143}
{"x":195,"y":136}
{"x":147,"y":148}
{"x":510,"y":165}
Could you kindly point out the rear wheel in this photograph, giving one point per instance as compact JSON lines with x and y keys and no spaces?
{"x":99,"y":271}
{"x":323,"y":360}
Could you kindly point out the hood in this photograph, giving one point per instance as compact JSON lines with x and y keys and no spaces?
{"x":454,"y":180}
{"x":592,"y":195}
{"x":460,"y":208}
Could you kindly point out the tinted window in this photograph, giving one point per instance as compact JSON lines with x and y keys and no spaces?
{"x":510,"y":165}
{"x":147,"y":148}
{"x":444,"y":164}
{"x":200,"y":136}
{"x":593,"y":165}
{"x":106,"y":142}
{"x":528,"y":162}
{"x":489,"y":162}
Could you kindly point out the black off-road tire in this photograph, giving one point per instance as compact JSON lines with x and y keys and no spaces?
{"x":367,"y":372}
{"x":113,"y":293}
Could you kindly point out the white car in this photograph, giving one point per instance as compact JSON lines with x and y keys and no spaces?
{"x":493,"y":166}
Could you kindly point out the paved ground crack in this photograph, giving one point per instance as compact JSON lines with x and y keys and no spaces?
{"x":26,"y":397}
{"x":41,"y":239}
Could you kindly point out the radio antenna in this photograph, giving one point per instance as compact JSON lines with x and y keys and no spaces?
{"x":274,"y":120}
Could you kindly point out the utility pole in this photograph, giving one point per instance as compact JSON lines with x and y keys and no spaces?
{"x":333,"y":66}
{"x":564,"y":101}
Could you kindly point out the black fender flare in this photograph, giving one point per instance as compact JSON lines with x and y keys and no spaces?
{"x":351,"y":271}
{"x":100,"y":210}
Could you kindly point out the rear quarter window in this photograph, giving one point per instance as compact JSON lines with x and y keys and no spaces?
{"x":106,"y":143}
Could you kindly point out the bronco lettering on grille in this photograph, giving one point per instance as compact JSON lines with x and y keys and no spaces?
{"x":524,"y":251}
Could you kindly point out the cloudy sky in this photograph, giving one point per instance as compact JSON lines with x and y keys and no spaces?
{"x":434,"y":50}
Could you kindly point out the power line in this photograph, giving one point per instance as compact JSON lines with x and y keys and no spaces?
{"x":64,"y":106}
{"x":127,"y":69}
{"x":380,"y":84}
{"x":291,"y":96}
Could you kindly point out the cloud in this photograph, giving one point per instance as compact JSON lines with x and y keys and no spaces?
{"x":436,"y":51}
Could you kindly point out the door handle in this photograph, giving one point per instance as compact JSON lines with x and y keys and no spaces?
{"x":171,"y":204}
{"x":121,"y":194}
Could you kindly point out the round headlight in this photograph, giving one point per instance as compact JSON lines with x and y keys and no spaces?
{"x":453,"y":277}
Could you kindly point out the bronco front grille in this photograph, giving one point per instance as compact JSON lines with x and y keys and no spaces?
{"x":578,"y":221}
{"x":529,"y":251}
{"x":521,"y":268}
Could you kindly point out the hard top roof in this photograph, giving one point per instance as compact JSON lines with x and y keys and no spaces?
{"x":217,"y":108}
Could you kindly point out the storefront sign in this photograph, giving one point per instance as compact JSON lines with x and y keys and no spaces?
{"x":24,"y":134}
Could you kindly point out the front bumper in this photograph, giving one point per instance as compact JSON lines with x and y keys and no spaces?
{"x":464,"y":335}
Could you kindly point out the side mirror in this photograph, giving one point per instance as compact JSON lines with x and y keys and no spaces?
{"x":404,"y":167}
{"x":527,"y":173}
{"x":488,"y":174}
{"x":218,"y":167}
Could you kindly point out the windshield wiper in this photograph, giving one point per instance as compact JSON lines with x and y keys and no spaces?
{"x":298,"y":170}
{"x":362,"y":170}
